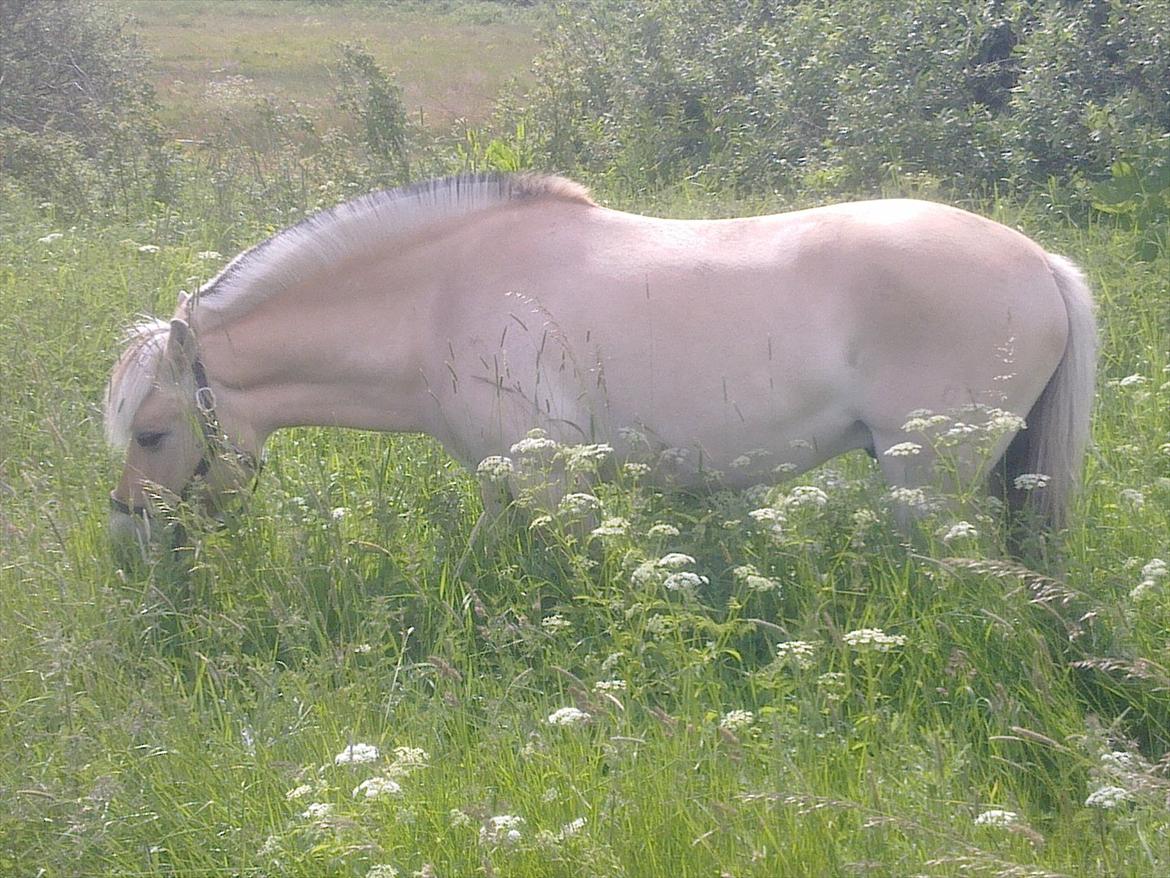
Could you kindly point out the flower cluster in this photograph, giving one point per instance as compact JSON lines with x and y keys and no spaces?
{"x":568,"y":716}
{"x":1107,"y":797}
{"x":495,"y":469}
{"x":873,"y":640}
{"x":801,"y":653}
{"x":357,"y":754}
{"x":997,"y":817}
{"x":502,"y":829}
{"x":734,"y":720}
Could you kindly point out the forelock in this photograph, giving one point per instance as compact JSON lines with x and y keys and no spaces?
{"x":133,"y":378}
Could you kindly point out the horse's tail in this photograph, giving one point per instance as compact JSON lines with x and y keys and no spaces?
{"x":1057,"y":432}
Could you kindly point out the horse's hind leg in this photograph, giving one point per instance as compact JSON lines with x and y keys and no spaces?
{"x":949,"y":475}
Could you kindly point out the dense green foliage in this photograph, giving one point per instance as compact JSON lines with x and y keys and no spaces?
{"x":838,"y":96}
{"x":182,"y":715}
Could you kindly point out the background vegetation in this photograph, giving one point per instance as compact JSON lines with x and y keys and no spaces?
{"x":200,"y":715}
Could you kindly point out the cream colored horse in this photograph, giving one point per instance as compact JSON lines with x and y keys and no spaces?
{"x":476,"y":308}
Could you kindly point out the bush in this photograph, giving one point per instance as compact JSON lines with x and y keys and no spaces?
{"x":828,"y":95}
{"x":78,"y":123}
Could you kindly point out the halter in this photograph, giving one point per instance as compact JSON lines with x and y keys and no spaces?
{"x":215,"y":444}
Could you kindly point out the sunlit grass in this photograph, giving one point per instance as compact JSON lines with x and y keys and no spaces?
{"x":157,"y":718}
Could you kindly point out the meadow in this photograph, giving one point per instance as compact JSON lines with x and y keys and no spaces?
{"x":766,"y":683}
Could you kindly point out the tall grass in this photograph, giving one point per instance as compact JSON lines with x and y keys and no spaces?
{"x":183,"y":716}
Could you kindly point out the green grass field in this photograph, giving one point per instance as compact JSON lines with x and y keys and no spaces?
{"x":214,"y":58}
{"x":202,"y":716}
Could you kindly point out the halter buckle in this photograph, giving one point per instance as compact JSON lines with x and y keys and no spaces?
{"x":205,"y":399}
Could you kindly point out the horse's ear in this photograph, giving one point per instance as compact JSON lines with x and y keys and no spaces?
{"x":184,"y":300}
{"x":180,"y":344}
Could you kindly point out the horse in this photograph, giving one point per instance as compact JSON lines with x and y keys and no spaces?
{"x":478,"y":308}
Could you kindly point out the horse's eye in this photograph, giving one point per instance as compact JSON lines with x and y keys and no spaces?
{"x":150,"y":440}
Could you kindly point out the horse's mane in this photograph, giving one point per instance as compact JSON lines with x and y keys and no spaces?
{"x":359,"y":225}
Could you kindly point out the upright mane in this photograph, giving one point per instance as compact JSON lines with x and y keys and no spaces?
{"x":359,"y":225}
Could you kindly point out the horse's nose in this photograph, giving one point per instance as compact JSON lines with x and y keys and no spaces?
{"x":127,"y":526}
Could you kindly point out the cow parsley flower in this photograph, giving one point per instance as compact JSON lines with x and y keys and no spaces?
{"x":410,"y":758}
{"x":734,"y":720}
{"x":382,"y":870}
{"x":555,"y":623}
{"x":495,"y":468}
{"x":1133,"y":497}
{"x":610,"y":686}
{"x":806,"y":496}
{"x":960,"y":530}
{"x":915,"y":498}
{"x":376,"y":787}
{"x":674,"y":561}
{"x":356,"y":754}
{"x":503,"y":828}
{"x":684,"y":580}
{"x":873,"y":640}
{"x":536,"y":442}
{"x":662,"y":530}
{"x":903,"y":449}
{"x":751,"y":577}
{"x":578,"y":504}
{"x":1132,"y":381}
{"x":568,"y":716}
{"x":612,"y":527}
{"x":210,"y":255}
{"x":317,"y":810}
{"x":1031,"y":481}
{"x":50,"y":238}
{"x":801,"y":653}
{"x":1107,"y":797}
{"x":997,"y":817}
{"x":299,"y":792}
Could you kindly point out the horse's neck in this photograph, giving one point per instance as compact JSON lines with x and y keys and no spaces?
{"x":334,"y":350}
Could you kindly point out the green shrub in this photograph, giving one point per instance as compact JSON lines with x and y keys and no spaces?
{"x":77,"y":120}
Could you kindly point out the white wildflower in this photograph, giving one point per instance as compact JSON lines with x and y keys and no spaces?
{"x":578,"y":504}
{"x":832,"y":685}
{"x":674,"y":561}
{"x":584,"y":457}
{"x":612,"y":527}
{"x":1133,"y":497}
{"x":298,"y":792}
{"x":915,"y":498}
{"x":495,"y":468}
{"x":1031,"y":481}
{"x":555,"y":623}
{"x":753,"y":579}
{"x":903,"y":449}
{"x":501,"y":828}
{"x":801,"y":653}
{"x":999,"y":421}
{"x":741,"y":462}
{"x":382,"y":870}
{"x":1132,"y":381}
{"x":662,"y":530}
{"x":635,"y":470}
{"x":317,"y":810}
{"x":356,"y":754}
{"x":568,"y":716}
{"x":645,"y":573}
{"x":536,"y":442}
{"x":865,"y":517}
{"x":684,"y":580}
{"x":997,"y":817}
{"x":1155,"y":569}
{"x":51,"y":237}
{"x":783,"y":469}
{"x":734,"y":720}
{"x":376,"y":787}
{"x":209,"y":255}
{"x":806,"y":495}
{"x":610,"y":686}
{"x":1107,"y":797}
{"x":960,"y":530}
{"x":363,"y":649}
{"x":873,"y":640}
{"x":411,"y":757}
{"x":1122,"y":762}
{"x":573,"y":827}
{"x":458,"y":819}
{"x":149,"y":248}
{"x":674,"y":457}
{"x":339,"y":513}
{"x":767,"y":515}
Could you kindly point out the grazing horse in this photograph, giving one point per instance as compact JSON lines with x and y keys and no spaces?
{"x":477,"y":308}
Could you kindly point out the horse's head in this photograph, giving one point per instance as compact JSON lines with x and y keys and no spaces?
{"x":161,"y":409}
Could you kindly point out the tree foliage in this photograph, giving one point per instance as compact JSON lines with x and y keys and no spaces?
{"x":837,"y":95}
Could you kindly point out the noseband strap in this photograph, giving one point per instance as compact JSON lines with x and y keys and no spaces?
{"x":215,"y":444}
